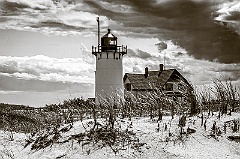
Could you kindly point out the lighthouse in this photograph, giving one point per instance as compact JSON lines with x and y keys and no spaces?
{"x":109,"y":69}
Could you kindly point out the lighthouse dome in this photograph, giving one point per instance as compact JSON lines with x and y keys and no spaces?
{"x":109,"y":34}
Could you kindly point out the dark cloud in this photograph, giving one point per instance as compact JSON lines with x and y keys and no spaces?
{"x":139,"y":53}
{"x":14,"y":84}
{"x":58,"y":25}
{"x":99,"y":9}
{"x":233,"y":16}
{"x":229,"y":68}
{"x":13,"y":6}
{"x":3,"y":19}
{"x":235,"y":75}
{"x":11,"y":67}
{"x":189,"y":24}
{"x":10,"y":7}
{"x":178,"y":54}
{"x":233,"y":70}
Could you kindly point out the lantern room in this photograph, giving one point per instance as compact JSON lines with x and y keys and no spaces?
{"x":109,"y":42}
{"x":108,"y":45}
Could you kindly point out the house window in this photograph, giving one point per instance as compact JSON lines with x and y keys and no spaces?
{"x":180,"y":87}
{"x":169,"y":87}
{"x":128,"y":87}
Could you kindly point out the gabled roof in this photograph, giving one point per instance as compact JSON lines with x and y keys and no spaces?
{"x":154,"y":79}
{"x":164,"y":76}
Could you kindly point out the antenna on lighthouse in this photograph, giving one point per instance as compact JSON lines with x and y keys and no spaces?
{"x":98,"y":32}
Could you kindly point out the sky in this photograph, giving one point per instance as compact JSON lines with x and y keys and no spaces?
{"x":45,"y":45}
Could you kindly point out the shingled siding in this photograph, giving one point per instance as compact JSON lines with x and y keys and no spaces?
{"x":168,"y":83}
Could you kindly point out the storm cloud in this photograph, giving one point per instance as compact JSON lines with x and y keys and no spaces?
{"x":189,"y":24}
{"x":206,"y":29}
{"x":139,"y":54}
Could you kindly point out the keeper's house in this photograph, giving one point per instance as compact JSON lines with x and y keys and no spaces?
{"x":169,"y":83}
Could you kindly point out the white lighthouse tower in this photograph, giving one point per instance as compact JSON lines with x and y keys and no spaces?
{"x":109,"y":69}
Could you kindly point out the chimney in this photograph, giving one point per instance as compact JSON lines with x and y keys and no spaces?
{"x":146,"y":72}
{"x":161,"y":67}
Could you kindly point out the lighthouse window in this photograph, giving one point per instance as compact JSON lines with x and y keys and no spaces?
{"x":112,"y":42}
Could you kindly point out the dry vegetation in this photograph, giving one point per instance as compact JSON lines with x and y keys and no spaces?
{"x":45,"y":125}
